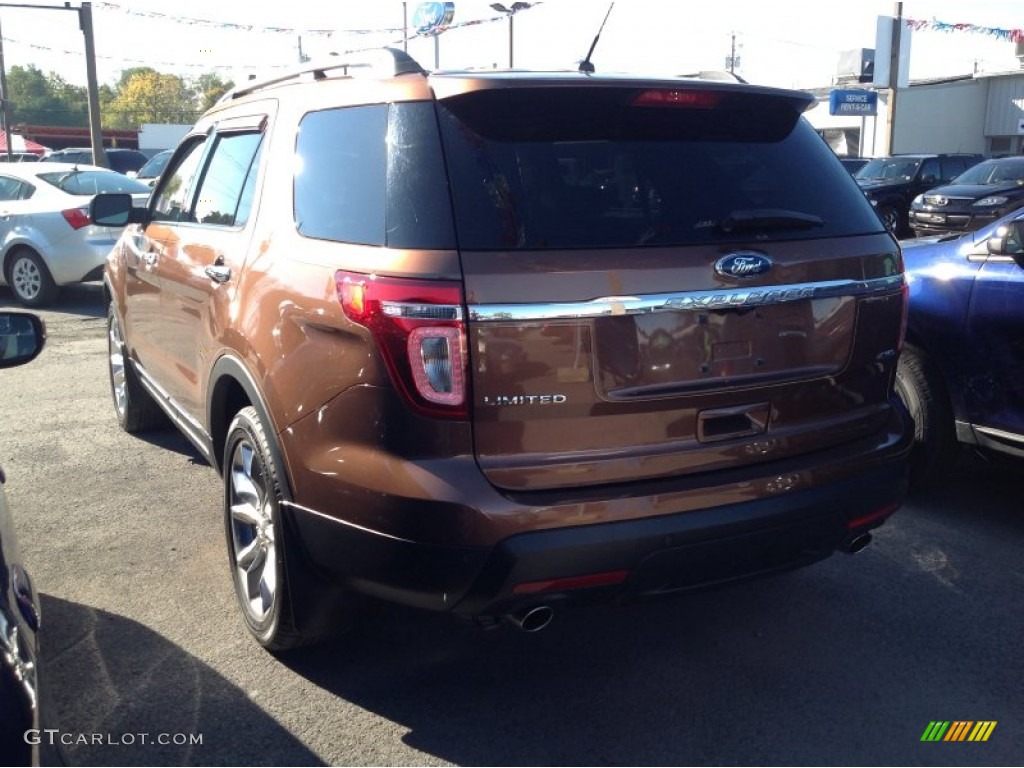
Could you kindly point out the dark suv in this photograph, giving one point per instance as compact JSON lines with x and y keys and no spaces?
{"x":120,"y":160}
{"x":484,"y":342}
{"x":975,"y":199}
{"x":891,"y":183}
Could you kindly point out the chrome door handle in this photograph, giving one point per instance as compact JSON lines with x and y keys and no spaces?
{"x":219,"y":273}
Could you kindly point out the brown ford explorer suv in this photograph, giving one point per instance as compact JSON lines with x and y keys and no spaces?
{"x":485,"y":342}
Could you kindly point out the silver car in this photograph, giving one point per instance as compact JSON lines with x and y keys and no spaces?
{"x":46,"y":239}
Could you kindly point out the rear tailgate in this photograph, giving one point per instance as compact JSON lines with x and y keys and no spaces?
{"x":625,"y":378}
{"x":663,"y":281}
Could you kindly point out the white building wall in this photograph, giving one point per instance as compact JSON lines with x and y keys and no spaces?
{"x":942,"y":117}
{"x":933,"y":117}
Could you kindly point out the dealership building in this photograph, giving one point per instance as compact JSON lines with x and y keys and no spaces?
{"x":980,"y":113}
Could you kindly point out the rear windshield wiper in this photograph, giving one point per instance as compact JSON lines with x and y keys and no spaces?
{"x":768,"y":218}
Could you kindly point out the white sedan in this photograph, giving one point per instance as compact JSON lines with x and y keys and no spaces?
{"x":46,"y":240}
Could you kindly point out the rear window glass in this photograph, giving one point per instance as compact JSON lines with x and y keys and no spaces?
{"x":590,"y":168}
{"x":93,"y":182}
{"x":373,"y":175}
{"x":1008,"y":171}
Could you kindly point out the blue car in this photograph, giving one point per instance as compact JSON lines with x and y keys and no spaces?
{"x":961,"y":373}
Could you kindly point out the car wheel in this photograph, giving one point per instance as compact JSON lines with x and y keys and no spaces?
{"x":136,"y":410}
{"x":257,"y":539}
{"x":890,"y":217}
{"x":935,"y":445}
{"x":29,"y":278}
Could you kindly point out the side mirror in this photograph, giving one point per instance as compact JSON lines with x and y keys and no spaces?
{"x":1008,"y":240}
{"x":22,"y":336}
{"x":930,"y":178}
{"x":114,"y":209}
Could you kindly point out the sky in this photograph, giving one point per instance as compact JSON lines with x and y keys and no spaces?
{"x":789,"y":44}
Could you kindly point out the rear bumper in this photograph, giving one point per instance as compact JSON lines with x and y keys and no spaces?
{"x":648,"y":556}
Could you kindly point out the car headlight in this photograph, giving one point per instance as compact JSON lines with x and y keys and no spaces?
{"x":993,"y":200}
{"x":919,"y":200}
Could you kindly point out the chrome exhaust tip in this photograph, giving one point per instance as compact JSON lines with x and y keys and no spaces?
{"x":532,"y":619}
{"x":857,"y":543}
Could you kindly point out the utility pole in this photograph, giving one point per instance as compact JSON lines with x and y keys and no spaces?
{"x":5,"y":113}
{"x":894,"y":76}
{"x":99,"y":156}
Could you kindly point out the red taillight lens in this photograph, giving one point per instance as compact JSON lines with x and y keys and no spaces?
{"x":76,"y":217}
{"x":679,"y":98}
{"x":419,"y":328}
{"x":604,"y":579}
{"x":872,"y":517}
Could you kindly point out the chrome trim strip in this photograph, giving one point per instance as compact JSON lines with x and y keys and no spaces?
{"x":346,"y":523}
{"x":1001,"y":435}
{"x":192,"y":429}
{"x":723,"y":298}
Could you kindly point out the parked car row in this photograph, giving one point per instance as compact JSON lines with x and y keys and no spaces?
{"x":118,"y":159}
{"x":974,"y":199}
{"x":46,"y":238}
{"x":891,"y":183}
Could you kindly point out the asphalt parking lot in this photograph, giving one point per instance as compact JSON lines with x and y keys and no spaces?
{"x":843,"y":663}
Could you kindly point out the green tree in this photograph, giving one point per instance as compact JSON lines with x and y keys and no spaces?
{"x":209,"y":87}
{"x":45,"y":99}
{"x":147,"y":96}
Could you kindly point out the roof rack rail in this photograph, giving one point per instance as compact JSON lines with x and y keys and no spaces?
{"x":394,"y":62}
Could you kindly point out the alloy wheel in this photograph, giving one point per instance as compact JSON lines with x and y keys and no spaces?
{"x":118,"y":380}
{"x":26,"y":279}
{"x":253,"y":538}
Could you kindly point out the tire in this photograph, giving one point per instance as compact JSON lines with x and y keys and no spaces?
{"x":257,"y":540}
{"x":30,"y":278}
{"x":920,"y":386}
{"x":135,"y":408}
{"x":890,"y":218}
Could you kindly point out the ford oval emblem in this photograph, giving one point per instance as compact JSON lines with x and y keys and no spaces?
{"x":743,"y":264}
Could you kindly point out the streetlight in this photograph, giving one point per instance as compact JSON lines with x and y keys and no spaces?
{"x":510,"y":12}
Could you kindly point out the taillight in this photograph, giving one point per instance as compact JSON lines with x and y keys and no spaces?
{"x":418,"y":326}
{"x":76,"y":217}
{"x":678,"y":98}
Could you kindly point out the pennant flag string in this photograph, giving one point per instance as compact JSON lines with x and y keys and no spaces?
{"x":1006,"y":35}
{"x":395,"y":33}
{"x":294,"y":31}
{"x":242,"y":27}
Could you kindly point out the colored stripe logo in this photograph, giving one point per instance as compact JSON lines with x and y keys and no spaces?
{"x":958,"y":730}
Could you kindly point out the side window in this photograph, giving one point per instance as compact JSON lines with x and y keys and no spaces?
{"x":226,"y":188}
{"x":13,"y":189}
{"x":930,"y":167}
{"x":171,"y":200}
{"x":340,"y":173}
{"x":952,"y":168}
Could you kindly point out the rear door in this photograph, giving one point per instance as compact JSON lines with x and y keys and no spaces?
{"x":663,"y":281}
